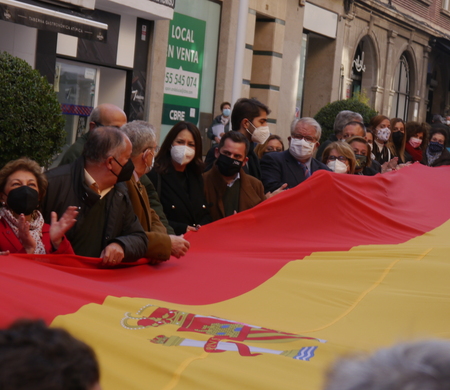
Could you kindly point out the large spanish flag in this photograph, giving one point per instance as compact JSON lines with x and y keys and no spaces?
{"x":265,"y":299}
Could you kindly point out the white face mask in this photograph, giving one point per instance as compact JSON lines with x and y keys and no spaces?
{"x":383,"y":134}
{"x":260,"y":134}
{"x":182,"y":154}
{"x":448,"y":123}
{"x":301,"y":149}
{"x":337,"y":166}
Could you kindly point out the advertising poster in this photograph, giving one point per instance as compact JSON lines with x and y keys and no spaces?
{"x":183,"y":70}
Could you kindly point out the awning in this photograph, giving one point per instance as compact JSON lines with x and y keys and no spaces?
{"x":51,"y":18}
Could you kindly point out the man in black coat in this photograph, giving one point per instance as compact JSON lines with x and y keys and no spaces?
{"x":107,"y":226}
{"x":296,"y":164}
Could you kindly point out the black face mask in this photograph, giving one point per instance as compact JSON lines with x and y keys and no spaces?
{"x":228,"y":166}
{"x":397,"y":137}
{"x":126,"y":172}
{"x":23,"y":200}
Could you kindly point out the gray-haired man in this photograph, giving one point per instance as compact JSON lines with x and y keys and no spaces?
{"x":297,"y":163}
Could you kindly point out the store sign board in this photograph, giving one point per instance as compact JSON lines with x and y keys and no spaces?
{"x":168,"y":3}
{"x":320,"y":20}
{"x":50,"y":20}
{"x":184,"y":64}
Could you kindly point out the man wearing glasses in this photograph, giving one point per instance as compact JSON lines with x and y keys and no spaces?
{"x":160,"y":244}
{"x":296,"y":164}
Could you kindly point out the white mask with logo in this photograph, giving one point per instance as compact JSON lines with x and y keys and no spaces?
{"x":383,"y":134}
{"x":301,"y":149}
{"x":260,"y":134}
{"x":337,"y":166}
{"x":182,"y":154}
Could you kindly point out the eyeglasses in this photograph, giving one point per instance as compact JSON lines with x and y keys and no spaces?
{"x":153,"y":150}
{"x":307,"y":138}
{"x":340,"y":158}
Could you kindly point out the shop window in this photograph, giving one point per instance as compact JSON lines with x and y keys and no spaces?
{"x":358,"y":68}
{"x":401,"y":88}
{"x":363,"y":71}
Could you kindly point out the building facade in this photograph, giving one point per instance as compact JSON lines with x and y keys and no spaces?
{"x":165,"y":61}
{"x":299,"y":56}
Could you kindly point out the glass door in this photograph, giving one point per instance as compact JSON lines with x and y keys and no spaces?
{"x":76,"y":87}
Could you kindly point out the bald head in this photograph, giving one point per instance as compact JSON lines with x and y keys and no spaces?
{"x":107,"y":115}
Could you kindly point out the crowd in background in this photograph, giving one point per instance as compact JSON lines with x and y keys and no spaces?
{"x":118,"y":196}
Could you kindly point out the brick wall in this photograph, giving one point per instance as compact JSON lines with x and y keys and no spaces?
{"x":430,"y":11}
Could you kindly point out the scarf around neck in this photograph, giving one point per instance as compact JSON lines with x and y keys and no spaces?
{"x":35,"y":227}
{"x":416,"y":154}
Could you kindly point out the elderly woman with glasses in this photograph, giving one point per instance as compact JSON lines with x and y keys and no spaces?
{"x":339,"y":157}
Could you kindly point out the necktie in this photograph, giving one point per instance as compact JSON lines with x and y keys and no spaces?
{"x":305,"y":170}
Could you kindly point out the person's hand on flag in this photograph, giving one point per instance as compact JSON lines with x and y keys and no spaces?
{"x":112,"y":255}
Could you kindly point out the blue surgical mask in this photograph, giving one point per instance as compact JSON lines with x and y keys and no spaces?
{"x":226,"y":112}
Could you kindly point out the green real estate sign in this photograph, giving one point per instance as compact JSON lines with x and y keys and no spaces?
{"x":183,"y":70}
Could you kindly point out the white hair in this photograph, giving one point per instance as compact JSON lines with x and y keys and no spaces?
{"x":422,"y":365}
{"x":344,"y":117}
{"x":140,"y":133}
{"x":308,"y":122}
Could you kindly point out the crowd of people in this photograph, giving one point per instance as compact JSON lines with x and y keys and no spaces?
{"x":118,"y":196}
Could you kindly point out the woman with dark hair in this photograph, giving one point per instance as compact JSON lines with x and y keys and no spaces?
{"x":273,"y":144}
{"x":177,"y":177}
{"x":416,"y":141}
{"x":383,"y":148}
{"x":436,"y":153}
{"x":399,"y":138}
{"x":22,"y":227}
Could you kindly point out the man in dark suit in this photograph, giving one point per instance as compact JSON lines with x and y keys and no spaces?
{"x":295,"y":164}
